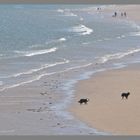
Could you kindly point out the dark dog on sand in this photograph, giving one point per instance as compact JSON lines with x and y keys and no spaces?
{"x":125,"y":95}
{"x":85,"y":101}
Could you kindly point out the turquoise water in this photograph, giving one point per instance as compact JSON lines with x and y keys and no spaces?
{"x":61,"y":44}
{"x":39,"y":40}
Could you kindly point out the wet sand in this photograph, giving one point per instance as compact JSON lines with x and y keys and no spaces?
{"x":26,"y":109}
{"x":106,"y":111}
{"x":38,"y":108}
{"x":132,"y":12}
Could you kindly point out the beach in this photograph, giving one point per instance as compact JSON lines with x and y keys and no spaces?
{"x":106,"y":110}
{"x":47,"y":66}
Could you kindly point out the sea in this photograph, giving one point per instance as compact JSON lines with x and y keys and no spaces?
{"x":44,"y":40}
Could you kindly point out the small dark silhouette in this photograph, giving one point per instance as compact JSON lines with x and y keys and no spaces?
{"x":85,"y":101}
{"x":125,"y":14}
{"x":99,"y":8}
{"x":125,"y":95}
{"x":115,"y":14}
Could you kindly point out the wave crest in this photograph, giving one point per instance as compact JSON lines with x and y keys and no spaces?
{"x":36,"y":52}
{"x":82,"y":30}
{"x":117,"y":55}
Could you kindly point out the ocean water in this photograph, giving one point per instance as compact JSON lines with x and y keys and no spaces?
{"x":40,"y":40}
{"x":37,"y":41}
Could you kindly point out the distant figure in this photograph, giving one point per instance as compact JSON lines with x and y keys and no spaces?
{"x":99,"y":8}
{"x":85,"y":101}
{"x":115,"y":14}
{"x":125,"y":95}
{"x":125,"y":14}
{"x":121,"y":14}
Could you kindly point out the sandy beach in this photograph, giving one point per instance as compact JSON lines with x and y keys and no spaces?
{"x":106,"y":111}
{"x":131,"y":11}
{"x":42,"y":80}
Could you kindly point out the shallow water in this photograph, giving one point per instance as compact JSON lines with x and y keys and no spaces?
{"x":35,"y":40}
{"x":38,"y":41}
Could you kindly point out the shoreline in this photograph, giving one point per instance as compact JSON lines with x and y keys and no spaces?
{"x":45,"y":102}
{"x":108,"y":113}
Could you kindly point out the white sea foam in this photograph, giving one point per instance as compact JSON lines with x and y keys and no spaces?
{"x":70,"y":14}
{"x":43,"y":67}
{"x":134,"y":34}
{"x":36,"y":52}
{"x":86,"y":43}
{"x":117,"y":55}
{"x":118,"y":37}
{"x":60,"y":10}
{"x":107,"y":39}
{"x":42,"y":75}
{"x":123,"y":36}
{"x":38,"y":69}
{"x":62,"y":39}
{"x":134,"y":25}
{"x":81,"y":19}
{"x":102,"y":60}
{"x":67,"y":12}
{"x":78,"y":67}
{"x":82,"y":30}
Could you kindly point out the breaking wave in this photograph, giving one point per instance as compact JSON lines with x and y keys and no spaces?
{"x":117,"y":55}
{"x":36,"y":52}
{"x":82,"y":30}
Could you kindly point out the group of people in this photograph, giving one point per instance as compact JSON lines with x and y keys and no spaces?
{"x":98,"y":8}
{"x":122,"y":14}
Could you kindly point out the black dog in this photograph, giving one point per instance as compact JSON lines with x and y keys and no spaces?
{"x":125,"y":95}
{"x":83,"y":101}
